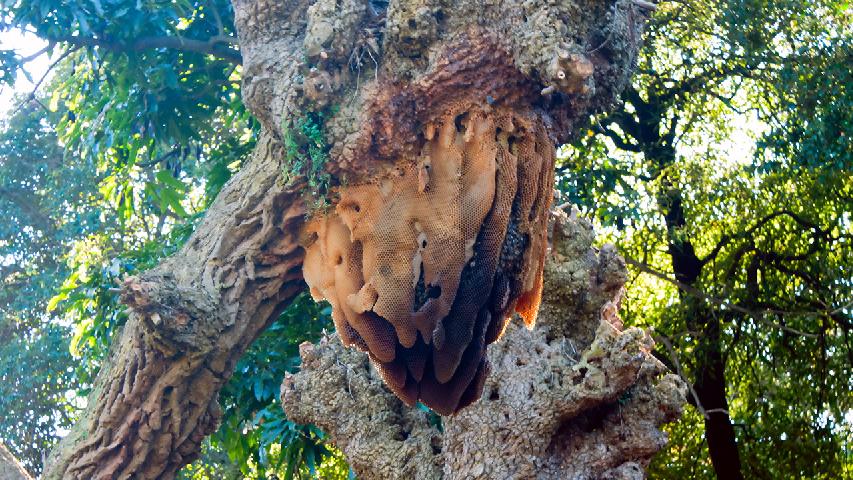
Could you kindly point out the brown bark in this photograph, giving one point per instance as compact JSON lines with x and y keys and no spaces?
{"x":710,"y":367}
{"x":191,"y":319}
{"x":387,"y":73}
{"x":576,"y":397}
{"x":710,"y":387}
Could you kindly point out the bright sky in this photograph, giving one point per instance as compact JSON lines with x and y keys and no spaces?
{"x":24,"y":44}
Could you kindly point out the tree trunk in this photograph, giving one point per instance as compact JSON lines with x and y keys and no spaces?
{"x":378,"y":74}
{"x":710,"y":387}
{"x":655,"y":141}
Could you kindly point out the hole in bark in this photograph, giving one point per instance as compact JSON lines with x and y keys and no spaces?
{"x":413,"y":23}
{"x":439,"y":15}
{"x":519,"y":362}
{"x":577,"y":379}
{"x":592,"y":419}
{"x":571,"y":428}
{"x":494,"y":395}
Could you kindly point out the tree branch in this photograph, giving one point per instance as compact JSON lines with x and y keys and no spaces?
{"x":726,"y":238}
{"x":617,"y":139}
{"x":31,"y":97}
{"x":30,"y":58}
{"x":694,"y":84}
{"x":212,"y":46}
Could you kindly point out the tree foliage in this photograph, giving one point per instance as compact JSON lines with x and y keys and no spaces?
{"x":46,"y":205}
{"x":724,"y":177}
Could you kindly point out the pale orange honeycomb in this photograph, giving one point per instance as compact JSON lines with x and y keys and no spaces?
{"x":424,"y":265}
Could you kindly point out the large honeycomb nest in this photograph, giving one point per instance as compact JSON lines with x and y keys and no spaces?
{"x":424,"y":265}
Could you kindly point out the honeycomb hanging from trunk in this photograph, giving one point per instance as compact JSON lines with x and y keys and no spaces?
{"x":424,"y":265}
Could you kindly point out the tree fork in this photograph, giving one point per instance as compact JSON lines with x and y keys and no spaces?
{"x":710,"y":383}
{"x":384,"y":73}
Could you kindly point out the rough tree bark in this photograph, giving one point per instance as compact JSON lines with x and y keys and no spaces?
{"x":577,"y":397}
{"x":385,"y":70}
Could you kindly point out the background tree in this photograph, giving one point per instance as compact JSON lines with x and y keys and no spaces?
{"x":37,"y":368}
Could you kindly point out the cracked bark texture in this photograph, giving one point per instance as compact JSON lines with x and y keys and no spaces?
{"x":388,"y":69}
{"x":577,"y":397}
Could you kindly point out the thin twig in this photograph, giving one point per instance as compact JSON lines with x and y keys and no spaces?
{"x":678,"y":370}
{"x":51,"y":67}
{"x":30,"y":58}
{"x":211,"y":46}
{"x":31,"y":97}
